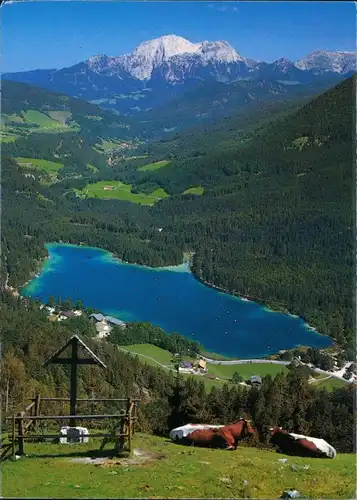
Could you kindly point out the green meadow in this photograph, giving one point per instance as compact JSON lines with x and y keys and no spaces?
{"x":154,"y":166}
{"x":199,"y":190}
{"x":13,"y":118}
{"x":330,"y":384}
{"x":8,"y":136}
{"x":174,"y":471}
{"x":38,"y":118}
{"x":246,"y":370}
{"x":155,"y":356}
{"x":60,"y":116}
{"x":45,"y":165}
{"x":106,"y":145}
{"x":120,"y":191}
{"x":92,"y":168}
{"x":37,"y":122}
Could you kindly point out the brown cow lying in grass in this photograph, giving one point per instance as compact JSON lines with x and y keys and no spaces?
{"x":211,"y":436}
{"x":299,"y":445}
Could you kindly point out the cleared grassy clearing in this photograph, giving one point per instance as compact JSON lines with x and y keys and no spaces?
{"x":181,"y":473}
{"x":160,"y":355}
{"x":120,"y":191}
{"x":159,"y":193}
{"x":38,"y":118}
{"x":60,"y":116}
{"x":153,"y":166}
{"x":13,"y":118}
{"x":155,"y":356}
{"x":92,"y":168}
{"x":246,"y":370}
{"x":106,"y":145}
{"x":199,"y":190}
{"x":7,"y":137}
{"x":47,"y":166}
{"x":224,"y":372}
{"x":330,"y":384}
{"x":94,"y":117}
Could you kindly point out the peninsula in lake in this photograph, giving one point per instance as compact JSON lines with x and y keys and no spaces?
{"x":171,"y":298}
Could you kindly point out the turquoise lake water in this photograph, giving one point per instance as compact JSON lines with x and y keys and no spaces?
{"x":170,"y":298}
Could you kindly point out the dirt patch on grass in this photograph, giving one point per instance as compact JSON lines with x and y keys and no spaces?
{"x":140,"y":457}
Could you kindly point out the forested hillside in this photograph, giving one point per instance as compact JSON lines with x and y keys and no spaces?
{"x":207,"y":103}
{"x":22,"y":105}
{"x":28,"y":339}
{"x":274,"y":223}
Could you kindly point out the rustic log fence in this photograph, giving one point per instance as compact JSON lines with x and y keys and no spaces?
{"x":24,"y":424}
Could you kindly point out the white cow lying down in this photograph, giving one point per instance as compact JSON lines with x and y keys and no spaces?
{"x":298,"y":444}
{"x":185,"y":430}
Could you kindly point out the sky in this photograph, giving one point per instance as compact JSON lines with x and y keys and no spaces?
{"x":57,"y":34}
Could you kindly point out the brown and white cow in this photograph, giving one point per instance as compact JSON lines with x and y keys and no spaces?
{"x":210,"y":436}
{"x":300,"y":445}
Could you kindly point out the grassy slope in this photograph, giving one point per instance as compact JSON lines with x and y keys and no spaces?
{"x":38,"y":118}
{"x":194,"y":190}
{"x":122,"y":192}
{"x":222,"y":371}
{"x":49,"y":110}
{"x":330,"y":384}
{"x":47,"y":166}
{"x":185,"y":472}
{"x":154,"y":166}
{"x":225,"y":372}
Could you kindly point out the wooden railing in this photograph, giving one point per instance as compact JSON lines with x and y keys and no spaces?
{"x":27,"y":420}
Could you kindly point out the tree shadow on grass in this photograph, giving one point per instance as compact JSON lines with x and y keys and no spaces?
{"x":93,"y":454}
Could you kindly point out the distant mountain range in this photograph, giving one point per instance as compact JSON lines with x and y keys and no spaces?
{"x":165,"y":68}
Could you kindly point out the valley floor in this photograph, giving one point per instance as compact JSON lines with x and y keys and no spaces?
{"x":224,"y":370}
{"x":178,"y":472}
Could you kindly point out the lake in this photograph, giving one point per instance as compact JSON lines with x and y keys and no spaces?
{"x":171,"y":298}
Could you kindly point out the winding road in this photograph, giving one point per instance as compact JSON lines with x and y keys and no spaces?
{"x":245,"y":362}
{"x":275,"y":362}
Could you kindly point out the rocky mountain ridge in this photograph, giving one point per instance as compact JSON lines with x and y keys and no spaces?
{"x":170,"y":66}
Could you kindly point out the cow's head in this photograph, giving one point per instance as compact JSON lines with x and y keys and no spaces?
{"x":274,"y":430}
{"x":249,"y":429}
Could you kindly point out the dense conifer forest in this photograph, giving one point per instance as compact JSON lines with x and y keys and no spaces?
{"x":274,"y":223}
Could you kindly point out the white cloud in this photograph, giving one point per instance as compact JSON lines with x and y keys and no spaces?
{"x":224,"y":6}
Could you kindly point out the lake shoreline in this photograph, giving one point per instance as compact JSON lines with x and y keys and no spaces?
{"x":187,"y":261}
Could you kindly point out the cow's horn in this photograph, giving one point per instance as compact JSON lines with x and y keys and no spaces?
{"x":271,"y":428}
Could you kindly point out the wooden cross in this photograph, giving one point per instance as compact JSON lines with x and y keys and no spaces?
{"x":75,"y":342}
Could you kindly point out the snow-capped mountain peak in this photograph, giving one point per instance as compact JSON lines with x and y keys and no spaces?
{"x":164,"y":47}
{"x":165,"y":51}
{"x":220,"y":51}
{"x":174,"y":59}
{"x":322,"y":61}
{"x":99,"y":61}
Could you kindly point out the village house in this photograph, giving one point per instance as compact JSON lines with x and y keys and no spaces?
{"x":255,"y":381}
{"x":115,"y":321}
{"x":96,"y":317}
{"x":201,"y":365}
{"x":104,"y":324}
{"x":67,"y":314}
